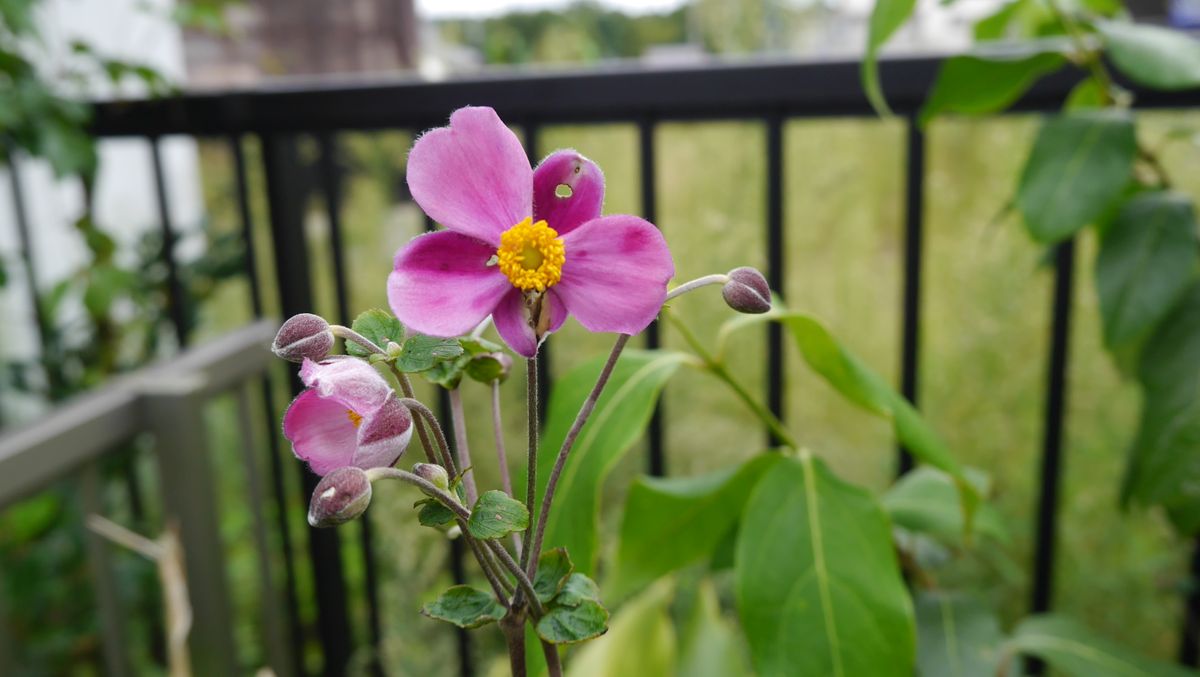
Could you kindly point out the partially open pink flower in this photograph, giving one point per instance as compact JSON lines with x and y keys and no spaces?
{"x":348,"y":416}
{"x":526,"y":247}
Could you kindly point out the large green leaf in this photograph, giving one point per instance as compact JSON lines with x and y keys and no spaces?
{"x":1079,"y":165}
{"x":926,"y":500}
{"x":1151,"y":55}
{"x":957,"y":636}
{"x":640,"y":642}
{"x":1073,"y":650}
{"x":886,"y":17}
{"x":496,"y":515}
{"x":693,"y":514}
{"x":1147,"y":258}
{"x":620,"y":416}
{"x":710,"y":645}
{"x":972,"y":85}
{"x":818,"y":586}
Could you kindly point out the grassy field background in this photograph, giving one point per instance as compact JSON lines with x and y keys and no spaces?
{"x":984,"y":327}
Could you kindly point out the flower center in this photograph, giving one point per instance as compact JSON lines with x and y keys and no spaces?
{"x":354,"y":417}
{"x":531,"y":255}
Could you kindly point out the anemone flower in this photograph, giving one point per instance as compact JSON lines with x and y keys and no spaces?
{"x":348,"y":416}
{"x":527,"y":247}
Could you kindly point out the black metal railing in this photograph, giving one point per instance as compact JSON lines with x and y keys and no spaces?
{"x":769,"y":92}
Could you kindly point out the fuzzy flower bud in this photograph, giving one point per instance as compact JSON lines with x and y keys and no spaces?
{"x":434,"y":474}
{"x":747,"y":291}
{"x":339,"y":497}
{"x":303,"y":335}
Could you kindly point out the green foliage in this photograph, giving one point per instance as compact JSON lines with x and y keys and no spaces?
{"x":709,"y":645}
{"x":575,"y":613}
{"x":420,"y":353}
{"x":1078,"y":167}
{"x":1147,"y":258}
{"x":465,"y":607}
{"x":1073,"y":650}
{"x":554,"y":568}
{"x":973,"y":85}
{"x":926,"y":500}
{"x":886,"y":17}
{"x":434,"y":514}
{"x":641,"y":641}
{"x":621,"y":414}
{"x":496,"y":515}
{"x":692,"y":514}
{"x":1156,"y":57}
{"x":819,"y":589}
{"x":956,"y":636}
{"x":379,"y":327}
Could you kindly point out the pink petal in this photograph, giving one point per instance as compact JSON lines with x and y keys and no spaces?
{"x":472,"y":177}
{"x":352,"y":382}
{"x":442,"y":285}
{"x":320,"y":431}
{"x":616,"y":272}
{"x":513,"y":325}
{"x":383,"y":436}
{"x":582,"y":176}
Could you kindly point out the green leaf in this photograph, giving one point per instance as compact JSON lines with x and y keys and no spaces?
{"x":1068,"y":647}
{"x":956,"y":636}
{"x":641,"y":641}
{"x":886,"y":17}
{"x":621,"y":415}
{"x":1087,"y":94}
{"x":571,"y":624}
{"x":447,"y":373}
{"x":495,"y":515}
{"x":1147,"y":258}
{"x":465,"y":607}
{"x":709,"y":645}
{"x":106,"y":283}
{"x":926,"y":500}
{"x":434,"y":514}
{"x":422,"y":352}
{"x":972,"y":85}
{"x":818,"y":586}
{"x":1157,"y":57}
{"x":379,"y":326}
{"x":995,"y":26}
{"x":479,"y":346}
{"x":1079,"y":165}
{"x":576,"y":590}
{"x":692,"y":514}
{"x":485,"y":368}
{"x":554,"y":567}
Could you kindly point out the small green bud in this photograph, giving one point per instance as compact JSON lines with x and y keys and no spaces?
{"x":434,"y":474}
{"x":747,"y":291}
{"x":339,"y":497}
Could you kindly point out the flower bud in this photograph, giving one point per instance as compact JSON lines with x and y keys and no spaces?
{"x":434,"y":474}
{"x":339,"y":497}
{"x":303,"y":335}
{"x":747,"y":291}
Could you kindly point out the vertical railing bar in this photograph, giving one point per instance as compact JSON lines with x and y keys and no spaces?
{"x":1052,"y":440}
{"x":910,"y":332}
{"x":176,"y":298}
{"x":26,"y":248}
{"x":1189,"y":640}
{"x":8,"y":657}
{"x":285,"y":201}
{"x":330,"y":178}
{"x":268,"y":403}
{"x":775,"y":272}
{"x":656,"y":433}
{"x":108,"y":602}
{"x":278,"y":655}
{"x":531,"y":130}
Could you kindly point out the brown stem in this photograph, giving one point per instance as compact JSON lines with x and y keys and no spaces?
{"x":513,"y":627}
{"x":443,"y":446}
{"x":553,"y":660}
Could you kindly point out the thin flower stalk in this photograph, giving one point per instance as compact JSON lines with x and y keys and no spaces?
{"x":458,"y":421}
{"x":716,"y":278}
{"x":443,"y":447}
{"x":531,"y":404}
{"x":501,"y":456}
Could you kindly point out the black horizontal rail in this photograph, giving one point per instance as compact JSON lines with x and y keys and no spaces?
{"x":624,"y":93}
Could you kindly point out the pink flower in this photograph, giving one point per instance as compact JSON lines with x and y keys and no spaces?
{"x":526,"y":247}
{"x":348,"y":416}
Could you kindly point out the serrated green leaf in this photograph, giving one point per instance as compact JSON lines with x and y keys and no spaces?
{"x":886,"y":17}
{"x":1071,"y":648}
{"x":465,"y":607}
{"x":1147,"y":257}
{"x":1152,"y":55}
{"x":577,"y":589}
{"x":692,"y":514}
{"x":620,"y":417}
{"x":554,"y":567}
{"x":422,"y":352}
{"x":495,"y":515}
{"x":956,"y":636}
{"x":1079,"y":165}
{"x":569,"y":625}
{"x":378,"y":326}
{"x":972,"y":85}
{"x":819,"y":589}
{"x":447,"y":373}
{"x":434,"y":514}
{"x":926,"y":500}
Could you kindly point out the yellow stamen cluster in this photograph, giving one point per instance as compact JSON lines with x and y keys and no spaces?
{"x":531,"y":255}
{"x":354,"y":417}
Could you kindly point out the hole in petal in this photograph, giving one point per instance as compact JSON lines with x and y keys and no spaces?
{"x":563,"y":190}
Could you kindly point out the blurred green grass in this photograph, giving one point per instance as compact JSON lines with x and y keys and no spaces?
{"x":984,"y":328}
